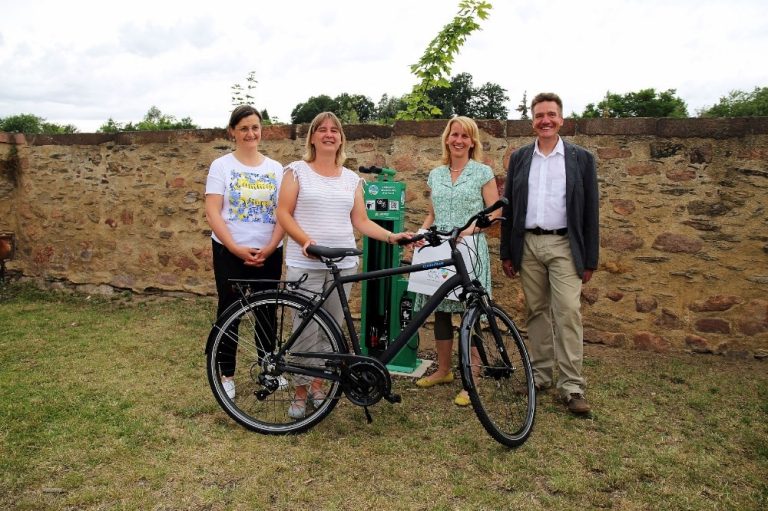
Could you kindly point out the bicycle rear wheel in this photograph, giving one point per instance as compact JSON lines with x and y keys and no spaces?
{"x":497,"y":374}
{"x":260,"y":324}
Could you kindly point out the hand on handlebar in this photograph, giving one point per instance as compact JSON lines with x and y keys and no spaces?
{"x":433,"y":234}
{"x":406,"y":238}
{"x":426,"y":238}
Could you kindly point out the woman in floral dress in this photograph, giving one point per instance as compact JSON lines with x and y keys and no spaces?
{"x":460,"y":187}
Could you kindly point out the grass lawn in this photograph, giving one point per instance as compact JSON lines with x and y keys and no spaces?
{"x":104,"y":404}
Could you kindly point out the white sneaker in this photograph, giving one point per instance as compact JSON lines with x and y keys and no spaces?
{"x":298,"y":409}
{"x":317,"y":397}
{"x":229,"y":387}
{"x":282,"y":383}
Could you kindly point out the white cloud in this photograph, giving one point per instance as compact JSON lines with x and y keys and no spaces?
{"x":152,"y":39}
{"x":183,"y":57}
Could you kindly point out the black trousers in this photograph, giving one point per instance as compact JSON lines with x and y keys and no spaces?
{"x":228,"y":266}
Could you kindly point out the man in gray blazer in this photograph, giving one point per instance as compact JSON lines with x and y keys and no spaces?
{"x":550,"y":237}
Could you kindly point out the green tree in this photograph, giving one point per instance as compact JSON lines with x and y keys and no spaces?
{"x":21,"y":123}
{"x":387,"y":108}
{"x":590,"y":112}
{"x":266,"y":120}
{"x":305,"y":112}
{"x":154,"y":120}
{"x":462,"y":98}
{"x":488,"y":102}
{"x":523,"y":107}
{"x":52,"y":128}
{"x":110,"y":127}
{"x":354,"y":108}
{"x":455,"y":99}
{"x":244,"y":96}
{"x":33,"y":124}
{"x":349,"y":108}
{"x":435,"y":64}
{"x":459,"y":98}
{"x":643,"y":103}
{"x":740,"y":104}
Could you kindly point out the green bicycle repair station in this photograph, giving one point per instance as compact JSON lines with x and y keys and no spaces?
{"x":387,"y":305}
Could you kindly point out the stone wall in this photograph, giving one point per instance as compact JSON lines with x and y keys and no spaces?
{"x":684,"y":240}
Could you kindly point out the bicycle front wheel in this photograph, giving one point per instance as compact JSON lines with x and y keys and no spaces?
{"x":497,"y":374}
{"x":256,"y":327}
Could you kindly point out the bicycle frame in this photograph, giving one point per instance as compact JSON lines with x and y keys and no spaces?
{"x":494,"y":364}
{"x":460,"y":279}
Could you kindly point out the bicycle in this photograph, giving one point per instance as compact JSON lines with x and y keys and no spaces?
{"x":494,"y":364}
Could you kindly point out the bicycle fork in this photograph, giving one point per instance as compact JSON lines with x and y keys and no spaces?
{"x":473,"y":338}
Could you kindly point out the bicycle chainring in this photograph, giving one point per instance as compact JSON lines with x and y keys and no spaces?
{"x":365,"y":383}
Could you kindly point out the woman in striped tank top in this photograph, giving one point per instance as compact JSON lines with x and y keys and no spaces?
{"x":321,"y":202}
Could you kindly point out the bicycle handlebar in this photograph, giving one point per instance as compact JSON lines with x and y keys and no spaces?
{"x":377,"y":170}
{"x":490,"y":209}
{"x":432,"y":236}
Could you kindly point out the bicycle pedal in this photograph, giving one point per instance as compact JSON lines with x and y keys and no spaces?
{"x":393,"y":398}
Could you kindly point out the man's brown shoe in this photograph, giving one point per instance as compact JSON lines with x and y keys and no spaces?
{"x":577,"y":403}
{"x":540,"y":389}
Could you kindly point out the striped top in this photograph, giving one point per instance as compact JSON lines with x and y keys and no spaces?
{"x":323,"y":209}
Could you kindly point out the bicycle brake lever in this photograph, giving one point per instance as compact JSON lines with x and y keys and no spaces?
{"x":482,"y":222}
{"x":430,"y":243}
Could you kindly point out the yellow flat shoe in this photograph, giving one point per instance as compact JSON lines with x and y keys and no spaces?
{"x":425,"y":382}
{"x":462,"y":399}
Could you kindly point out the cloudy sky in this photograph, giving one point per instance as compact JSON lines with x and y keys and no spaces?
{"x":82,"y":62}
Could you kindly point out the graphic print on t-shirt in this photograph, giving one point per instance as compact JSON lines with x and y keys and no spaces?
{"x":252,"y":197}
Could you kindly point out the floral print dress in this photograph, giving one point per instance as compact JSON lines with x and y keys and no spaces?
{"x":453,"y":204}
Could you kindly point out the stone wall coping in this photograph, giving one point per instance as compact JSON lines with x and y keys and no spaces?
{"x":718,"y":128}
{"x":12,"y":138}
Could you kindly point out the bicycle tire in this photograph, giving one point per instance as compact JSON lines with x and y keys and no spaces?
{"x":498,"y":378}
{"x":270,"y":315}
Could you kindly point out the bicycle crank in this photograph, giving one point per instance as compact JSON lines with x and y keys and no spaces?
{"x":365,"y":382}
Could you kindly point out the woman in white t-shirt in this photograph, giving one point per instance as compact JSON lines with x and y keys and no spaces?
{"x":321,"y":202}
{"x":240,"y":202}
